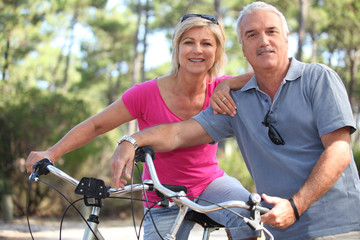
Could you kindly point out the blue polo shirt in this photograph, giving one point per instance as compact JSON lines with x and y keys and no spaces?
{"x":311,"y":102}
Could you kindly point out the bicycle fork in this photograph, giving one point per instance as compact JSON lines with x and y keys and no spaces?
{"x":93,"y":222}
{"x":179,"y":219}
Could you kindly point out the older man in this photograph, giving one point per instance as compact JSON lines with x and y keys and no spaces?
{"x":293,"y":127}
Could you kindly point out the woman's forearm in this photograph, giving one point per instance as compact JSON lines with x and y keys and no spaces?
{"x":237,"y":82}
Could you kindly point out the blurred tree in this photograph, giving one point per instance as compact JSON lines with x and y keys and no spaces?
{"x":303,"y":6}
{"x":36,"y":119}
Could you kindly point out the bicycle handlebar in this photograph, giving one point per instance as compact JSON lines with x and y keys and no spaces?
{"x":44,"y":166}
{"x":146,"y":154}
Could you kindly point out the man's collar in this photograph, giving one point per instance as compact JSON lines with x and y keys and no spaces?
{"x":294,"y":72}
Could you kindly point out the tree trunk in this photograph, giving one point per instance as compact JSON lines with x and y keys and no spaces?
{"x":301,"y":31}
{"x":354,"y":65}
{"x":5,"y":67}
{"x":314,"y":45}
{"x":219,"y":13}
{"x":147,"y":11}
{"x":136,"y":62}
{"x":71,"y":43}
{"x":6,"y":57}
{"x":7,"y":207}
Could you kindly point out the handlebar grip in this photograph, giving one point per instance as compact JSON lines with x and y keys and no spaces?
{"x":255,"y":201}
{"x":263,"y":210}
{"x":41,"y":166}
{"x":142,"y":151}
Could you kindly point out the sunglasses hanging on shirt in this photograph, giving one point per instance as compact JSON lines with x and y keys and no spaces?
{"x":273,"y":134}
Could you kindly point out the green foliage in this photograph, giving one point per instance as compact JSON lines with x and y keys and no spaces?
{"x":35,"y":120}
{"x":232,"y":162}
{"x":161,"y":70}
{"x":356,"y":152}
{"x":5,"y":187}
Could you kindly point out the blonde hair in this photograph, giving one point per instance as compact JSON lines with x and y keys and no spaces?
{"x":216,"y":29}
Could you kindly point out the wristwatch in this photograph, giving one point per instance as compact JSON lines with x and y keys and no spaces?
{"x":128,"y":139}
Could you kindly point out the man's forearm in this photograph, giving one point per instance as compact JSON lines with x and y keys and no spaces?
{"x":324,"y":175}
{"x":160,"y":137}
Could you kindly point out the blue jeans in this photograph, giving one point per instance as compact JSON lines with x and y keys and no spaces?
{"x":222,"y":189}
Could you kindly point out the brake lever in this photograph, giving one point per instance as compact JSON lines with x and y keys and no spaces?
{"x":255,"y":222}
{"x":256,"y":226}
{"x":40,"y":168}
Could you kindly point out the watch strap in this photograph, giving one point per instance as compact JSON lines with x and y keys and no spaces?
{"x":128,"y":139}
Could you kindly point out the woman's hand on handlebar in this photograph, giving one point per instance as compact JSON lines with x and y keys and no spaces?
{"x":122,"y":164}
{"x":34,"y":157}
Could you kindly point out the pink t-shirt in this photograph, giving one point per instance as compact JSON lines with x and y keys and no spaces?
{"x":194,"y":167}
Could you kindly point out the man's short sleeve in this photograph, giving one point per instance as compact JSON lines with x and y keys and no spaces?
{"x":331,"y":104}
{"x":217,"y":126}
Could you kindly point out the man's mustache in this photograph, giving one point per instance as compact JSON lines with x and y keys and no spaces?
{"x":265,"y":49}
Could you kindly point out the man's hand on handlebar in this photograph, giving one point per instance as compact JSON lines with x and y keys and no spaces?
{"x":122,"y":164}
{"x":281,"y":215}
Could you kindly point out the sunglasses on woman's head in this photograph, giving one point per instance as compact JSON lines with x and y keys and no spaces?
{"x":207,"y":17}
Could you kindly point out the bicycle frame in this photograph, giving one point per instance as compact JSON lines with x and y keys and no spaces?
{"x":179,"y":198}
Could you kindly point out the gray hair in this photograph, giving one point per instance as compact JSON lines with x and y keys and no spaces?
{"x":259,"y":6}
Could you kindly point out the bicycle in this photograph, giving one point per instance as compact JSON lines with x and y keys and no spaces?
{"x":95,"y":190}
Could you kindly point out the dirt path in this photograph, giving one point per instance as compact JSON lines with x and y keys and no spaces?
{"x":48,"y":229}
